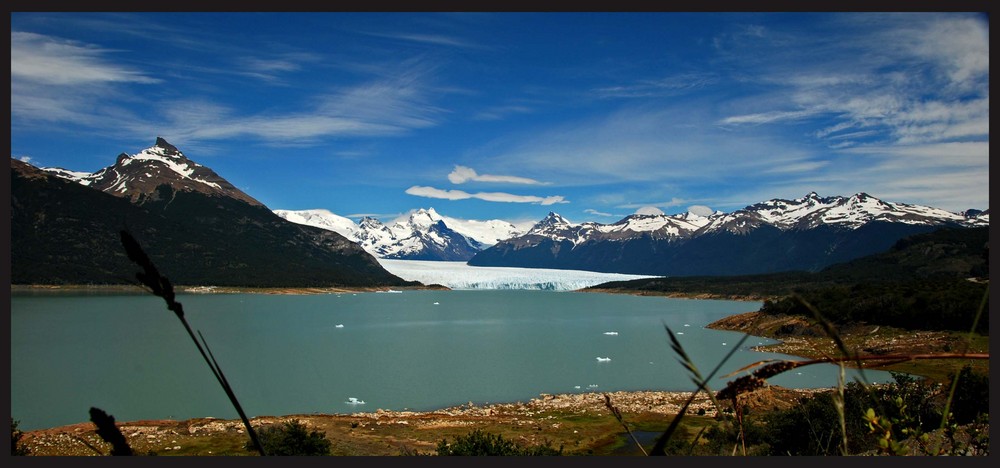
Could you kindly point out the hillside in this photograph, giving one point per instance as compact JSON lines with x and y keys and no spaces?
{"x":807,"y":234}
{"x":66,"y":232}
{"x":945,"y":253}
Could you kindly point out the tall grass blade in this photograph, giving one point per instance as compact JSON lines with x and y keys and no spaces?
{"x":965,"y":347}
{"x":702,"y":384}
{"x":618,"y":415}
{"x":160,"y":286}
{"x":108,"y":431}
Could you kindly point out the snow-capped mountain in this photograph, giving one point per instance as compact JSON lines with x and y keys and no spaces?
{"x":806,"y":233}
{"x":422,"y":235}
{"x":322,"y":219}
{"x":198,"y":228}
{"x":851,"y":212}
{"x":137,"y":176}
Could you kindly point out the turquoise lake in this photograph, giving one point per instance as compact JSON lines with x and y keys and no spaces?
{"x":415,"y":350}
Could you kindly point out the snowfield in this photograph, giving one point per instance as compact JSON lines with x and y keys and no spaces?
{"x":458,"y":275}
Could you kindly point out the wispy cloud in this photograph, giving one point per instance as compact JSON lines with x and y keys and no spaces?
{"x":502,"y":112}
{"x":272,"y":68}
{"x":382,"y":107}
{"x":662,"y":204}
{"x":667,"y":86}
{"x":916,"y":78}
{"x":767,"y":117}
{"x":463,"y":174}
{"x":431,"y":192}
{"x":51,"y":60}
{"x":431,"y":39}
{"x":601,"y":213}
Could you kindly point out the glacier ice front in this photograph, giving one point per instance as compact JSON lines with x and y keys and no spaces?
{"x":459,"y":275}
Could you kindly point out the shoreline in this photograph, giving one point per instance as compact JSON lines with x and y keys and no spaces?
{"x":678,"y":295}
{"x":55,"y":289}
{"x":381,"y":432}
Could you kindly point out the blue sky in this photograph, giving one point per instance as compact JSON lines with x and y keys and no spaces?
{"x":513,"y":115}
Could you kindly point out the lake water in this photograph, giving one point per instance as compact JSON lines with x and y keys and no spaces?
{"x":416,"y":350}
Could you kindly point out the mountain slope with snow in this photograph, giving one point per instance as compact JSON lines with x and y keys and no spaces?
{"x":807,"y":233}
{"x":423,"y":234}
{"x":195,"y":226}
{"x":137,"y":177}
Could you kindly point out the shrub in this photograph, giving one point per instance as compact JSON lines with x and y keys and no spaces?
{"x":972,"y":396}
{"x":291,"y":438}
{"x":480,"y":443}
{"x":16,"y":448}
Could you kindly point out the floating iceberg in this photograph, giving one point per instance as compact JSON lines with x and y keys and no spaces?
{"x":603,"y":359}
{"x":354,"y":401}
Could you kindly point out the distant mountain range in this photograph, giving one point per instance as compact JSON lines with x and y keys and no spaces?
{"x":423,"y":235}
{"x":197,"y":227}
{"x":807,"y":233}
{"x":213,"y":233}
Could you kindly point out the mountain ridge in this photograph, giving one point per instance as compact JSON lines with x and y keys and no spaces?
{"x":197,"y":231}
{"x":806,"y":233}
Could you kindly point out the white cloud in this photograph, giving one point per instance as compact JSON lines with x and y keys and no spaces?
{"x":766,"y":117}
{"x":50,"y":60}
{"x":797,"y":167}
{"x":463,"y":174}
{"x":649,"y":210}
{"x":431,"y":192}
{"x":26,"y":159}
{"x":700,"y":210}
{"x":600,"y":213}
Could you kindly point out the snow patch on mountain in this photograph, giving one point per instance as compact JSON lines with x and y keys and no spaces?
{"x":138,"y":176}
{"x":422,"y":233}
{"x":322,"y":219}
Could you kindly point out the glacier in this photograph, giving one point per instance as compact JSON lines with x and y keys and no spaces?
{"x":459,"y":275}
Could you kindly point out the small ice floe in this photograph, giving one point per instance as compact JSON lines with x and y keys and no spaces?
{"x":437,"y":303}
{"x":576,"y":387}
{"x":687,"y":325}
{"x":593,"y":385}
{"x":354,"y":401}
{"x":339,"y":325}
{"x":612,"y":333}
{"x":680,"y":333}
{"x":603,"y":359}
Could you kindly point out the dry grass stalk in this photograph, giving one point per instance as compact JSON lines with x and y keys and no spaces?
{"x":160,"y":286}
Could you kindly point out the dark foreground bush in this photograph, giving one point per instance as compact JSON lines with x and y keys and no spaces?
{"x":291,"y":438}
{"x":16,"y":447}
{"x":479,"y":443}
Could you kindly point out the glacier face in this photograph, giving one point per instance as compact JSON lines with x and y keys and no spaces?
{"x":459,"y":275}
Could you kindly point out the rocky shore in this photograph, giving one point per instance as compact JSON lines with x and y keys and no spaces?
{"x":580,"y":421}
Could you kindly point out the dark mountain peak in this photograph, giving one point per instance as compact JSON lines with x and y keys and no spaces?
{"x":550,"y":222}
{"x":161,"y":143}
{"x":137,"y":177}
{"x":553,"y":218}
{"x":971,"y":213}
{"x":370,"y":222}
